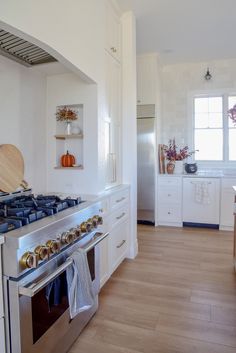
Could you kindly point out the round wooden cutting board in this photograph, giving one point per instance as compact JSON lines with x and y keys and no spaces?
{"x":11,"y":168}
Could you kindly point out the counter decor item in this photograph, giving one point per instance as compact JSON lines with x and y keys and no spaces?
{"x":67,"y":160}
{"x":176,"y":155}
{"x":232,"y":114}
{"x":67,"y":115}
{"x":170,"y":167}
{"x":161,"y":159}
{"x":190,"y":168}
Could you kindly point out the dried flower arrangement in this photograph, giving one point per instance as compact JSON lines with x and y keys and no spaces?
{"x":232,"y":114}
{"x":66,"y":114}
{"x":173,"y":154}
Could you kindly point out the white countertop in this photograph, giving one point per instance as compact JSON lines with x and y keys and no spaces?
{"x":201,"y":175}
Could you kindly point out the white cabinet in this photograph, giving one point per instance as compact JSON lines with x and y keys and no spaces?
{"x":112,"y":119}
{"x":113,"y":32}
{"x":2,"y":331}
{"x":227,"y":203}
{"x":119,"y":228}
{"x":201,"y":200}
{"x":113,"y":249}
{"x":147,"y":79}
{"x":169,"y":200}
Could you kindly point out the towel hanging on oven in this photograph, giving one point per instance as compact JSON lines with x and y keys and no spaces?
{"x":80,"y":288}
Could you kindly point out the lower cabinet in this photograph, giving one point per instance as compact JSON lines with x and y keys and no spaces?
{"x":104,"y":261}
{"x":169,"y":200}
{"x":2,"y":330}
{"x":118,"y":244}
{"x":114,"y":248}
{"x":227,"y":204}
{"x":201,"y":200}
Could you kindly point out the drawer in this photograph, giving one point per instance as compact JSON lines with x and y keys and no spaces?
{"x":171,"y":194}
{"x":119,"y":215}
{"x":119,"y":198}
{"x":170,"y":213}
{"x":119,"y":244}
{"x":175,"y":181}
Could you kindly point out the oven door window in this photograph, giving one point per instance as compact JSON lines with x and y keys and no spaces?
{"x":48,"y":305}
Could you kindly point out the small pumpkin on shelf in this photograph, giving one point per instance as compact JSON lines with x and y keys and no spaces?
{"x":67,"y":160}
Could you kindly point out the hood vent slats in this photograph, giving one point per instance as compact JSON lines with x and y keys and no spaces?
{"x":22,"y":51}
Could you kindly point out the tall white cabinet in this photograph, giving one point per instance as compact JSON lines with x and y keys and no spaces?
{"x":112,"y":118}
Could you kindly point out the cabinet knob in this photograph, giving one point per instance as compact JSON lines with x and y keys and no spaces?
{"x":169,"y":212}
{"x":113,"y":49}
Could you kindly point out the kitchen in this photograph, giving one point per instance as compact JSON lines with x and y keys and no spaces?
{"x":79,"y":79}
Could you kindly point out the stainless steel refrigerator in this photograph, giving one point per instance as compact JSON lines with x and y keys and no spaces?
{"x":146,"y":170}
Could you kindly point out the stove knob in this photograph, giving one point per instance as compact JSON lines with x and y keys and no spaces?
{"x":67,"y":238}
{"x":29,"y":260}
{"x":85,"y":227}
{"x":76,"y":231}
{"x":93,"y":222}
{"x":99,"y":219}
{"x":42,"y":251}
{"x":54,"y":246}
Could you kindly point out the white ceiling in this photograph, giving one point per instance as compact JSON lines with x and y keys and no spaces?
{"x":185,"y":30}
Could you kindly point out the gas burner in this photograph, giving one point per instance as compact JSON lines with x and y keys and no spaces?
{"x":17,"y":211}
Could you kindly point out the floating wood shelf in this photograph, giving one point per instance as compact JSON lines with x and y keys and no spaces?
{"x":70,"y":168}
{"x":72,"y":136}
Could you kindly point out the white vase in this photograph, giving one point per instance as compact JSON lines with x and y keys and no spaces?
{"x":179,"y":165}
{"x":68,"y":128}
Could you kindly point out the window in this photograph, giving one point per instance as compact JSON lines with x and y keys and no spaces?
{"x":214,"y":132}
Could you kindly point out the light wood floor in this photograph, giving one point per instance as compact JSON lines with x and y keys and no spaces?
{"x":177,"y":296}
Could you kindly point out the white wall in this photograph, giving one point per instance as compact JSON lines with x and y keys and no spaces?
{"x":23,"y":118}
{"x":178,"y":81}
{"x":69,"y":89}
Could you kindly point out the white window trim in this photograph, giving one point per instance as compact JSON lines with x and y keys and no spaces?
{"x":190,"y":127}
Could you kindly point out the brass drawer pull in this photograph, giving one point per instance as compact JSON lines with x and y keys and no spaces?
{"x":122,"y":215}
{"x":121,"y":199}
{"x":121,"y":244}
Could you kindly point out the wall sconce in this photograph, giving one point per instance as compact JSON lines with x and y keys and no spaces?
{"x":208,"y":76}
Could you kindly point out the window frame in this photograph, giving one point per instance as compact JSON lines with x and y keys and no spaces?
{"x":191,"y":127}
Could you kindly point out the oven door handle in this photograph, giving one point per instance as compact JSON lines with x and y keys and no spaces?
{"x":35,"y":288}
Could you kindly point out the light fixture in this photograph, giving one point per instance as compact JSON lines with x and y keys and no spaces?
{"x":208,"y":76}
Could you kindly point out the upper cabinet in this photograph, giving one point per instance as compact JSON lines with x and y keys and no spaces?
{"x":147,"y":79}
{"x":113,"y":32}
{"x":112,"y":129}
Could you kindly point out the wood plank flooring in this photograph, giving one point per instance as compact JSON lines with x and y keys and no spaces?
{"x":177,"y":296}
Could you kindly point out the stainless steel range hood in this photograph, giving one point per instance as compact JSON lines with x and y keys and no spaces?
{"x":22,"y":51}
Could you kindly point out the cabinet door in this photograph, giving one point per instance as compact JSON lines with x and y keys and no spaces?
{"x":118,"y":244}
{"x":113,"y":32}
{"x":112,"y":121}
{"x":104,"y":261}
{"x":201,"y":199}
{"x":146,"y":80}
{"x":227,"y":203}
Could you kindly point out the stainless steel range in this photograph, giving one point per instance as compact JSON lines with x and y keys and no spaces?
{"x":40,"y":235}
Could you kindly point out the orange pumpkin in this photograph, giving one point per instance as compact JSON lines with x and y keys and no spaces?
{"x":67,"y":160}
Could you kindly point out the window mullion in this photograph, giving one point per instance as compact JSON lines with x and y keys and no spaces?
{"x":225,"y":129}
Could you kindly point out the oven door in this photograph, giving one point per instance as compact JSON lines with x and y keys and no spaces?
{"x":40,"y":322}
